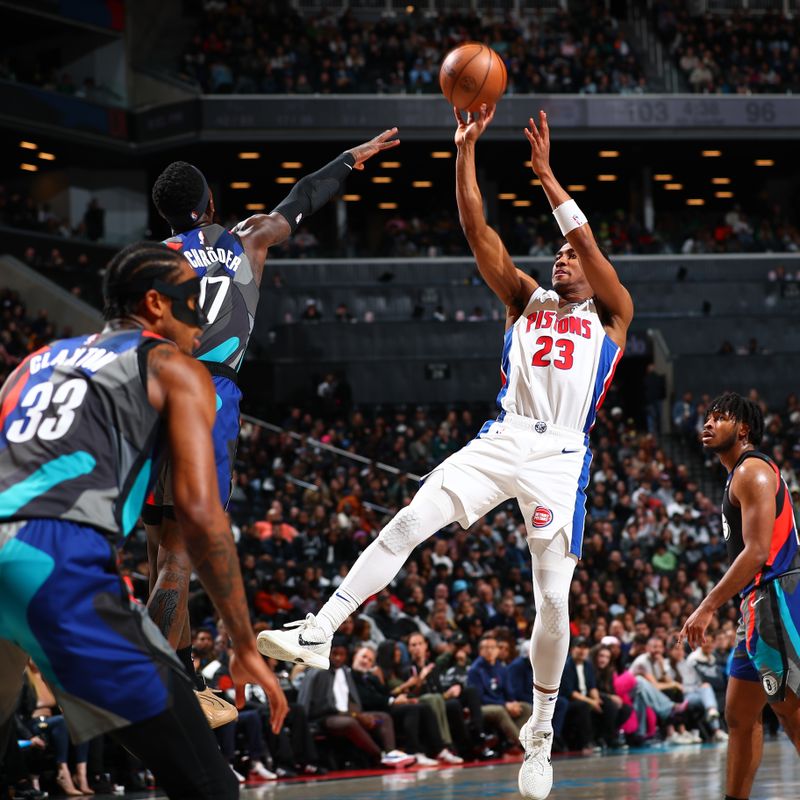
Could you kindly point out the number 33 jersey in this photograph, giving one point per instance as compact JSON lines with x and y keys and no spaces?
{"x":78,"y":434}
{"x":228,"y":291}
{"x":558,"y":362}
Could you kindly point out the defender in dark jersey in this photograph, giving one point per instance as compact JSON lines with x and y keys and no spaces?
{"x":81,"y":421}
{"x":759,"y":529}
{"x":230,"y":265}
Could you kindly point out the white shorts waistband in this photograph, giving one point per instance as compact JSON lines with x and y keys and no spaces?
{"x":542,"y":427}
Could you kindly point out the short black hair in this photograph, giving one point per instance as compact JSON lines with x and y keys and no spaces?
{"x":178,"y":190}
{"x":131,"y":272}
{"x":740,"y":409}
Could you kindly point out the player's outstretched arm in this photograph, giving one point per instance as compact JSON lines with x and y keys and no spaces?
{"x":181,"y":389}
{"x":510,"y":284}
{"x":753,"y":488}
{"x":609,"y":291}
{"x":260,"y":231}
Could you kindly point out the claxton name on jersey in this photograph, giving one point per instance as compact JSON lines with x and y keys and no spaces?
{"x":89,"y":358}
{"x":209,"y":256}
{"x":579,"y":326}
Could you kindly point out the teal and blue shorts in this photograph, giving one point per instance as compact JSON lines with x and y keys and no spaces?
{"x":768,"y":640}
{"x":63,"y":603}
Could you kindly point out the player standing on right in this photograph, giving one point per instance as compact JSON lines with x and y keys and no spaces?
{"x":560,"y":351}
{"x":764,"y":551}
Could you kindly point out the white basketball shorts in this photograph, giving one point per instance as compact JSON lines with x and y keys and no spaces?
{"x":545,"y":467}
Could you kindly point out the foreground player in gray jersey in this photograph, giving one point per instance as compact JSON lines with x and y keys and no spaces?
{"x":80,"y":424}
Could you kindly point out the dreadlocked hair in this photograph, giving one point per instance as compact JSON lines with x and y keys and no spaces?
{"x":178,"y":190}
{"x":740,"y":409}
{"x":131,"y":272}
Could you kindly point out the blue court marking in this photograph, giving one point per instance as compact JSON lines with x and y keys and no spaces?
{"x":63,"y":468}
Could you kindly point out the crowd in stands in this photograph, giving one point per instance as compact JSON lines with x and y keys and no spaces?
{"x":39,"y":72}
{"x":745,"y":52}
{"x":249,"y":48}
{"x":415,"y":235}
{"x":18,"y":209}
{"x":435,"y":668}
{"x":21,"y":333}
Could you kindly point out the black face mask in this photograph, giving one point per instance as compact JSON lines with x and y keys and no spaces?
{"x":181,"y":293}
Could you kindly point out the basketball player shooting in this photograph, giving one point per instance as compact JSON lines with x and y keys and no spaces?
{"x":559,"y":354}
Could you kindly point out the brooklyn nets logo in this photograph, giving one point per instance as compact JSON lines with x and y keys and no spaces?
{"x":770,"y":684}
{"x":726,"y":528}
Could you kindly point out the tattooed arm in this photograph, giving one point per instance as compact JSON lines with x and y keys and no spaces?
{"x":181,"y":389}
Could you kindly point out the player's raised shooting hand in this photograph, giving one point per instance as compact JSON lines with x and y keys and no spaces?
{"x":539,"y":139}
{"x":475,"y":125}
{"x":383,"y":141}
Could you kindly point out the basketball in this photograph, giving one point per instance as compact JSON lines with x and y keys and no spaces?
{"x":472,"y":74}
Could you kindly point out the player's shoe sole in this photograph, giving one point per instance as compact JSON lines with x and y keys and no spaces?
{"x":274,"y":644}
{"x":216,"y":711}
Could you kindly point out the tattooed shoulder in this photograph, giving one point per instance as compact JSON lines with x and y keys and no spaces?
{"x":160,"y":357}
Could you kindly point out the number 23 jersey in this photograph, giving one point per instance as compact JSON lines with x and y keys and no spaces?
{"x":558,"y":362}
{"x":78,"y":435}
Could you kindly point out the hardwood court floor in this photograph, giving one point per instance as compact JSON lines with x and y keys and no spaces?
{"x":694,"y":772}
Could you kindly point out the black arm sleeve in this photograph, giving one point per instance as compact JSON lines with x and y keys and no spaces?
{"x":313,"y":191}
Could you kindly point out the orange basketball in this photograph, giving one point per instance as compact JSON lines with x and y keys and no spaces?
{"x":472,"y":74}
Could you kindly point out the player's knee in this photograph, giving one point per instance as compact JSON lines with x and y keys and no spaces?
{"x":554,"y":613}
{"x":403,"y":533}
{"x":740,"y":720}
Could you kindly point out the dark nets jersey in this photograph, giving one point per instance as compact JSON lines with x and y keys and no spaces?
{"x":77,"y":433}
{"x":228,"y":294}
{"x":784,"y":553}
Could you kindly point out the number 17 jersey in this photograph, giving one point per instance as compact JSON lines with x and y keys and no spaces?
{"x":228,"y":291}
{"x":558,"y":362}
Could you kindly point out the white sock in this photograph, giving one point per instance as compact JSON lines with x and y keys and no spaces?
{"x":338,"y":608}
{"x":544,"y":704}
{"x":432,"y":509}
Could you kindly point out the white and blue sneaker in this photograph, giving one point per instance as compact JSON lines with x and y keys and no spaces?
{"x":305,"y":643}
{"x":536,"y":773}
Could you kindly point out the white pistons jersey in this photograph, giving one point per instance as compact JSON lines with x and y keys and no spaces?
{"x":557,"y":363}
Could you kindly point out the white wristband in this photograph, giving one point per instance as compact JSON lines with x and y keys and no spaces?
{"x":569,"y":216}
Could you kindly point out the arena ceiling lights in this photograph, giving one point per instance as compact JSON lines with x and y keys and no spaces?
{"x":249,"y":156}
{"x":765,"y":162}
{"x":609,"y":154}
